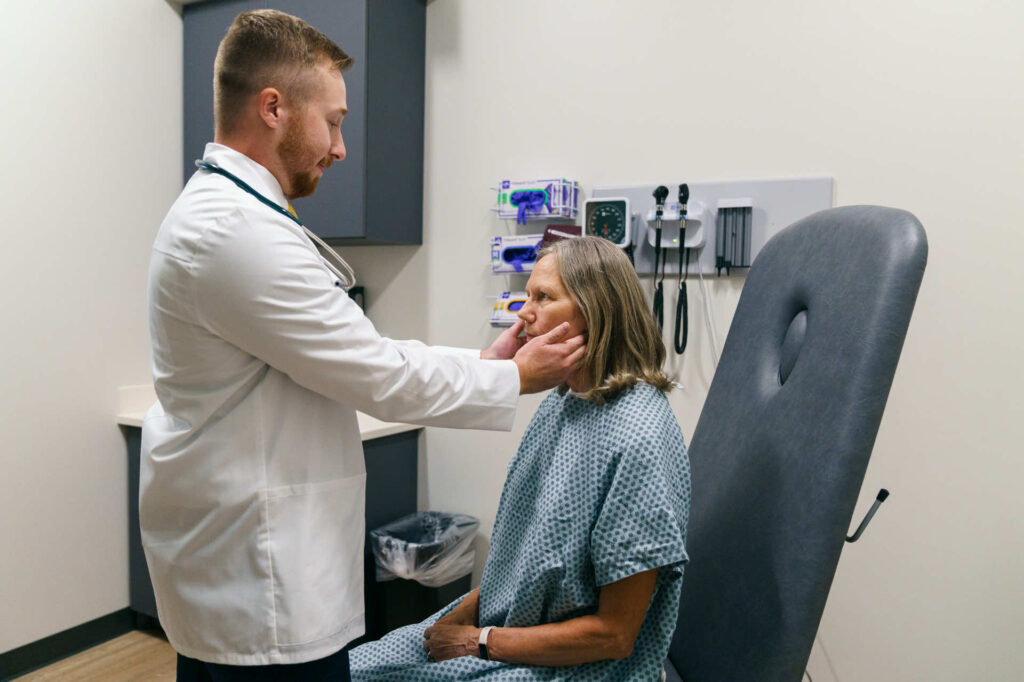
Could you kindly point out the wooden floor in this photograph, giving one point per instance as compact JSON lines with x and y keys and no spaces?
{"x":133,"y":657}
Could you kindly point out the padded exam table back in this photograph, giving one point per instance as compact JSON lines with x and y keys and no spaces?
{"x":782,"y":444}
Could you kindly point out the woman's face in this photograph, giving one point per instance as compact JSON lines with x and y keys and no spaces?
{"x":549,"y":303}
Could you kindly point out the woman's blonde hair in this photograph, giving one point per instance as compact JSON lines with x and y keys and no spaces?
{"x":624,"y":344}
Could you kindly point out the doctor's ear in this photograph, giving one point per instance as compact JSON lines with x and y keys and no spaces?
{"x":268,"y":102}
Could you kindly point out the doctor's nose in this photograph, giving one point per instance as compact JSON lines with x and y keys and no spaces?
{"x":337,"y":151}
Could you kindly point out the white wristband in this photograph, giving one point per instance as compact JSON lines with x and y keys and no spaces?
{"x":482,"y":642}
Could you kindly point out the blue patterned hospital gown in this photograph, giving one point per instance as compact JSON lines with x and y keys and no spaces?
{"x":595,"y":494}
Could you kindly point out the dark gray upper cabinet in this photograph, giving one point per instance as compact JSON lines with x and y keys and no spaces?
{"x":374,"y":196}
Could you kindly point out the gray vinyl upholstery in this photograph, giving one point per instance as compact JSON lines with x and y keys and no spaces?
{"x":782,"y":444}
{"x":671,"y":675}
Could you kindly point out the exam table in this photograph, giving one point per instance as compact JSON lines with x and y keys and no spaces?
{"x":780,"y":451}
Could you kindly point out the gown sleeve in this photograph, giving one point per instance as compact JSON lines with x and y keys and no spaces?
{"x":642,"y":522}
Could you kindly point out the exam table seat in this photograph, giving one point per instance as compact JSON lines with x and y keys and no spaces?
{"x":780,"y":451}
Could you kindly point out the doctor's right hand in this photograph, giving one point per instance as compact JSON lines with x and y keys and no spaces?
{"x":507,"y":344}
{"x":548,"y":360}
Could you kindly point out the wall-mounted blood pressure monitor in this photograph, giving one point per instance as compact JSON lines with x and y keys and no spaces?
{"x":610,"y":218}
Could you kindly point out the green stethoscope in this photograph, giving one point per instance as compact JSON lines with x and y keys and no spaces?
{"x":340,"y":269}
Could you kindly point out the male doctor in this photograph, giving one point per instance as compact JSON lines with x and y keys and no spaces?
{"x":253,"y":480}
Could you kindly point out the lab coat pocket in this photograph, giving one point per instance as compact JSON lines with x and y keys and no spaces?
{"x":315,"y":534}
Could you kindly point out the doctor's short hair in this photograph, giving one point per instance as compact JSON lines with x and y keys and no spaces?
{"x":624,"y":344}
{"x":267,"y":48}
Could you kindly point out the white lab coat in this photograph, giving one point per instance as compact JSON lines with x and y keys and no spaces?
{"x":252,"y":479}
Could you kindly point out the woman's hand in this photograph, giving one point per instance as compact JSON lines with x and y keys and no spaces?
{"x":465,"y":612}
{"x":458,"y":617}
{"x":442,"y":641}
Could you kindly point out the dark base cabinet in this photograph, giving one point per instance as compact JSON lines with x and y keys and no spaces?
{"x":140,"y":588}
{"x":391,"y":481}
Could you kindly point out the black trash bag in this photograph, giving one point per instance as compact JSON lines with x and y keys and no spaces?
{"x":432,"y":548}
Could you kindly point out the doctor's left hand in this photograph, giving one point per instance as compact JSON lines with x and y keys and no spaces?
{"x":442,"y":642}
{"x":507,"y":344}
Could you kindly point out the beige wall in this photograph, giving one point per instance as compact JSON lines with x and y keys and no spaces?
{"x":91,"y":160}
{"x":917,"y":105}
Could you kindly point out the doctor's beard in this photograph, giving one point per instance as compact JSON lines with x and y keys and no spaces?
{"x":295,"y":151}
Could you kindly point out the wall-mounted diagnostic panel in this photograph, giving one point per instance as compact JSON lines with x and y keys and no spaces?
{"x":723,"y":224}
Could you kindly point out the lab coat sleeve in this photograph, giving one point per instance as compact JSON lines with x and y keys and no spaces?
{"x":260,"y":286}
{"x":468,"y":353}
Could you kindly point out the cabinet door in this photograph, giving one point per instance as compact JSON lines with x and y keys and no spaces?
{"x":205,"y":25}
{"x":396,"y":47}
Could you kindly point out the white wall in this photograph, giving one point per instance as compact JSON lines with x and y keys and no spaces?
{"x":91,"y":159}
{"x":917,"y":105}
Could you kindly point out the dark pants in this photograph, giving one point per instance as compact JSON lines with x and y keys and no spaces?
{"x":334,"y":668}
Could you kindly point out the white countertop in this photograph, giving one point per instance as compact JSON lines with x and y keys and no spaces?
{"x":136,"y":400}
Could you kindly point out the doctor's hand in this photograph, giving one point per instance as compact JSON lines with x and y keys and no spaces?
{"x":548,"y":360}
{"x":507,"y":344}
{"x":442,"y":642}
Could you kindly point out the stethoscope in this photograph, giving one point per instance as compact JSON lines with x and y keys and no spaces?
{"x":346,"y":279}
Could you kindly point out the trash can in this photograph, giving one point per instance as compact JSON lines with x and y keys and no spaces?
{"x":423,"y":562}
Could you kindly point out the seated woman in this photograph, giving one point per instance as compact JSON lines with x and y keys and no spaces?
{"x":586,"y":560}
